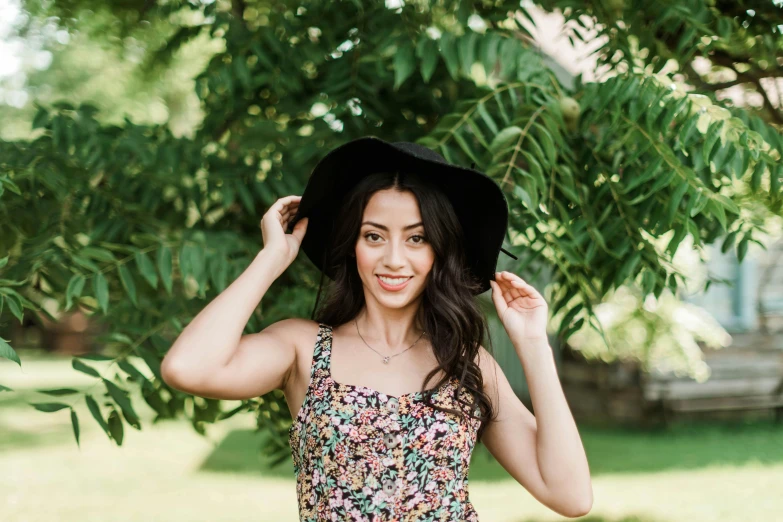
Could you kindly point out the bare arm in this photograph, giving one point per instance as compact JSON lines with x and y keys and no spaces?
{"x":211,"y":358}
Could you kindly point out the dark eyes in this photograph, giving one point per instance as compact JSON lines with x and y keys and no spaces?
{"x":422,"y":239}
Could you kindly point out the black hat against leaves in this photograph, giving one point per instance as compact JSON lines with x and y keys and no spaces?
{"x":478,"y":201}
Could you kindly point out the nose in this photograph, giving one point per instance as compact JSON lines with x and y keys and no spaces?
{"x":394,"y":257}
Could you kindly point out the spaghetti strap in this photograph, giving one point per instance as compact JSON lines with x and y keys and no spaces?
{"x":319,"y":367}
{"x":318,"y":370}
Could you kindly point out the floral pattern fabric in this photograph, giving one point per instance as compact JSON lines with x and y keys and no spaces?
{"x":363,"y":455}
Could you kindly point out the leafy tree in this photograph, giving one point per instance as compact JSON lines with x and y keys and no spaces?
{"x":140,"y":227}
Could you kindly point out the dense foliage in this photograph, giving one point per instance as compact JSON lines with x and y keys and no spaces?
{"x":141,"y":227}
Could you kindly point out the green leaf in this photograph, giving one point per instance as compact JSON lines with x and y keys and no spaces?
{"x":429,"y":60}
{"x":488,"y":51}
{"x":700,"y":202}
{"x":98,"y":253}
{"x":165,"y":267}
{"x":448,"y":49}
{"x":629,"y":267}
{"x":15,"y":305}
{"x":713,"y":137}
{"x":73,"y":290}
{"x":647,"y":175}
{"x":535,"y":170}
{"x":228,"y":414}
{"x":218,"y":272}
{"x":147,"y":268}
{"x":59,"y":391}
{"x":152,"y":397}
{"x":404,"y":64}
{"x":524,"y":196}
{"x":101,"y":289}
{"x":41,"y":118}
{"x":679,"y":234}
{"x":728,"y":203}
{"x":508,"y":57}
{"x":758,"y":172}
{"x":463,"y":144}
{"x":775,"y":180}
{"x":49,"y":407}
{"x":504,"y":138}
{"x":8,"y":353}
{"x":121,"y":398}
{"x":193,"y":262}
{"x":84,"y":368}
{"x":75,"y":424}
{"x":572,"y":314}
{"x":673,"y":203}
{"x":573,"y":329}
{"x":481,"y":108}
{"x":467,"y":50}
{"x":115,"y":427}
{"x":247,"y":198}
{"x":95,"y":357}
{"x":742,"y":248}
{"x":728,"y":241}
{"x":547,"y":142}
{"x":127,"y":282}
{"x":95,"y":410}
{"x":85,"y":263}
{"x":464,"y":10}
{"x":131,"y":370}
{"x":717,"y":210}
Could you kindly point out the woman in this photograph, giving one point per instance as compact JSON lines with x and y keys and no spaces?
{"x":407,"y":249}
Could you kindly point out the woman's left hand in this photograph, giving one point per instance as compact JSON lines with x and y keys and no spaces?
{"x":522,"y":310}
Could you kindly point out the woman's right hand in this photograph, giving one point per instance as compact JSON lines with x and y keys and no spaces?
{"x":274,"y":224}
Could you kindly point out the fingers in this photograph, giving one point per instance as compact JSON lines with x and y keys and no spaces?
{"x":514,"y":286}
{"x":498,"y":298}
{"x":284,"y":209}
{"x":288,"y":211}
{"x":287,"y":207}
{"x":300,"y":229}
{"x":286,"y":204}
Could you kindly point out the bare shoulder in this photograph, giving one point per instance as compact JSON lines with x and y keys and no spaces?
{"x":489,"y":368}
{"x":300,"y":334}
{"x":292,"y":331}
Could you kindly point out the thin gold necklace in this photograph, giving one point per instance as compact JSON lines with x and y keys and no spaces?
{"x":386,"y":357}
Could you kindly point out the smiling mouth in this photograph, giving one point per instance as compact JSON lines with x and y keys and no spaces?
{"x":391,"y":285}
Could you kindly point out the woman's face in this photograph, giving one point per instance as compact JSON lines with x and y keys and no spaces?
{"x":388,"y":245}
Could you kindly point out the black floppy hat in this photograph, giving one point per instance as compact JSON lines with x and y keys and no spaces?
{"x":478,"y":201}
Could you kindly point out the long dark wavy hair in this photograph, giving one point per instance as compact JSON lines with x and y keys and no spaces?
{"x":449,"y":312}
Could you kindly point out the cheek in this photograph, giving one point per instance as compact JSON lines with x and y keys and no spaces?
{"x":423,"y":264}
{"x":365,"y":260}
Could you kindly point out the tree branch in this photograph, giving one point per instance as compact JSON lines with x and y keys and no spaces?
{"x":751,"y":76}
{"x":698,"y":80}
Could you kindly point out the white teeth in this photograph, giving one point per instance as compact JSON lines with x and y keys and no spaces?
{"x":393,"y":281}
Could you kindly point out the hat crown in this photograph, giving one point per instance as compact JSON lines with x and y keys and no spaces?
{"x":420,"y":151}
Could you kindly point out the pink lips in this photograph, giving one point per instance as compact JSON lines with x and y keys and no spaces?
{"x":392,"y":288}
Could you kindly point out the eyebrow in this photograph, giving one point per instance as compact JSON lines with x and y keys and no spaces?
{"x":384,"y":227}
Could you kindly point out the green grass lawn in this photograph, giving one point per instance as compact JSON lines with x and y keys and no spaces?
{"x":168,"y":472}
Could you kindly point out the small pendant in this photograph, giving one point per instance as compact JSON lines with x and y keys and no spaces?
{"x":386,"y":360}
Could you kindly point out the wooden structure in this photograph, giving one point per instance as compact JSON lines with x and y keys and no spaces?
{"x":71,"y":334}
{"x":744,"y":383}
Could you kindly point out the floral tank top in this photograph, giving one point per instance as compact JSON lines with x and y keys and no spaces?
{"x":363,"y":455}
